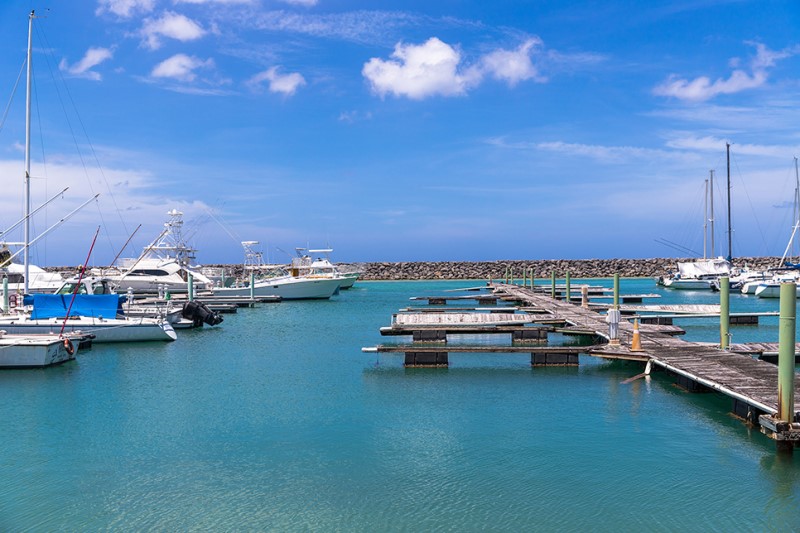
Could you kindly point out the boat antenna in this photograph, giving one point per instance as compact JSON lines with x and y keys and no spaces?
{"x":80,"y":278}
{"x":730,"y":232}
{"x":711,"y":201}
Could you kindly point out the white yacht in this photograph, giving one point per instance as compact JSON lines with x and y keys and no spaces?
{"x":37,"y":351}
{"x":305,"y":265}
{"x":274,"y":280}
{"x":165,"y":264}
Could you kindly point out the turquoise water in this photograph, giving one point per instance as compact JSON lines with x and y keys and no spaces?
{"x":277,"y":421}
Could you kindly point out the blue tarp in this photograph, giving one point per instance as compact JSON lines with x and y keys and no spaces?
{"x":56,"y":305}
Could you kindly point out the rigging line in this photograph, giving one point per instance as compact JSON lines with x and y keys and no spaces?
{"x":80,"y":278}
{"x":13,"y":93}
{"x":43,"y":36}
{"x":44,"y":166}
{"x":236,"y":238}
{"x":752,"y":208}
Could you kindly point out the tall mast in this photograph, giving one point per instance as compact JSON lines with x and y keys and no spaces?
{"x":705,"y":224}
{"x":26,"y":255}
{"x":730,"y":232}
{"x":711,"y":198}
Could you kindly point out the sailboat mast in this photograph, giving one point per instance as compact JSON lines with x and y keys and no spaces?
{"x":711,"y":199}
{"x":705,"y":224}
{"x":26,"y":255}
{"x":730,"y":232}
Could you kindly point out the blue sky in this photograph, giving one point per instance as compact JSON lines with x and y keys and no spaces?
{"x":391,"y":131}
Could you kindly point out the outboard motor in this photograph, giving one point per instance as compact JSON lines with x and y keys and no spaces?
{"x":199,"y":313}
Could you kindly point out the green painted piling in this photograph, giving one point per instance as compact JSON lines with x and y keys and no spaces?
{"x":567,"y":289}
{"x":5,"y":294}
{"x":524,"y":278}
{"x":553,"y":285}
{"x":532,"y":279}
{"x":724,"y":312}
{"x":786,"y":348}
{"x":616,"y":291}
{"x":190,"y":285}
{"x":511,"y":275}
{"x":252,"y":285}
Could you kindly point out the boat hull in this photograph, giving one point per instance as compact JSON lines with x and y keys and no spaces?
{"x":104,"y":330}
{"x":28,"y":351}
{"x":287,"y":288}
{"x":689,"y":284}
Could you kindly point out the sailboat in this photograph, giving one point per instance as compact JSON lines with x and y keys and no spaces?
{"x":34,"y":351}
{"x":703,"y":274}
{"x":51,"y":313}
{"x":787,"y":272}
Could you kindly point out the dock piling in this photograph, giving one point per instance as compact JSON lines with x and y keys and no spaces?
{"x":190,"y":285}
{"x":567,"y":289}
{"x":786,"y":349}
{"x":724,"y":312}
{"x":5,"y":294}
{"x":553,"y":285}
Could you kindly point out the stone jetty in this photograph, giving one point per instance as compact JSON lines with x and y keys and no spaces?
{"x":578,"y":268}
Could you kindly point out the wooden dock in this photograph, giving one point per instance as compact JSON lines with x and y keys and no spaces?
{"x":751,"y":383}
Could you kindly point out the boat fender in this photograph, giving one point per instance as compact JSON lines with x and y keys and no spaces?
{"x":69,"y":347}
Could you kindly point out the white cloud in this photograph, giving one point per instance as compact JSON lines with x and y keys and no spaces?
{"x":702,"y":88}
{"x":419,"y":71}
{"x":181,"y":67}
{"x":435,"y":68}
{"x":278,"y":83}
{"x":513,"y":66}
{"x":92,"y":58}
{"x":172,"y":25}
{"x":717,"y":145}
{"x":124,"y":8}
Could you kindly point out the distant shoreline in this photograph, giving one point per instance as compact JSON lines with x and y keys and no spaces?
{"x":542,"y":268}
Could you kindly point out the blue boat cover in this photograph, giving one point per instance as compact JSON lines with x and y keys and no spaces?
{"x":56,"y":305}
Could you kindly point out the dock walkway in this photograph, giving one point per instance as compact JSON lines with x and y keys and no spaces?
{"x":751,"y":383}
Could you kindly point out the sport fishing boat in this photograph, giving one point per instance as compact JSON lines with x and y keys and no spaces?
{"x":275,"y":280}
{"x":305,"y":265}
{"x":164,"y":264}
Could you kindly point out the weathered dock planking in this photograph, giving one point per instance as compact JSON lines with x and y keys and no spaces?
{"x":751,"y":383}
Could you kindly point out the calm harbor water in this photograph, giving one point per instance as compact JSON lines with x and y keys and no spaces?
{"x":277,"y":421}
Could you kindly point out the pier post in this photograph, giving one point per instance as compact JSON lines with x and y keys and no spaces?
{"x":190,"y":286}
{"x":782,"y":426}
{"x":585,"y":297}
{"x":252,"y":285}
{"x":511,"y":274}
{"x":553,"y":284}
{"x":786,"y":349}
{"x":5,"y":294}
{"x":567,"y":289}
{"x":724,"y":312}
{"x":616,"y":291}
{"x":524,"y":278}
{"x":532,"y":279}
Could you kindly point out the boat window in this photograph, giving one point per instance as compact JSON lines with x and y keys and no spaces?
{"x":69,"y":288}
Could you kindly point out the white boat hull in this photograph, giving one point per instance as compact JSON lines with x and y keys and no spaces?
{"x":104,"y":330}
{"x":770,"y":290}
{"x":28,"y":351}
{"x":688,"y":284}
{"x":287,"y":288}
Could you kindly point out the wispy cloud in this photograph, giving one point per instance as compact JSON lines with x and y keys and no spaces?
{"x":223,"y":2}
{"x":124,"y":8}
{"x":181,"y":67}
{"x":286,"y":84}
{"x":435,"y":68}
{"x":172,"y":25}
{"x":355,"y":26}
{"x":305,"y":3}
{"x":92,"y":58}
{"x":351,"y":117}
{"x":716,"y":144}
{"x":702,"y":88}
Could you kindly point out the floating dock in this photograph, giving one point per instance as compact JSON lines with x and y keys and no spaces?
{"x":751,"y":383}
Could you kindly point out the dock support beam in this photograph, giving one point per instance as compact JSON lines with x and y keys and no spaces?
{"x":782,"y":426}
{"x":567,"y":290}
{"x":553,"y":285}
{"x":5,"y":294}
{"x":426,"y":359}
{"x":616,"y":291}
{"x":190,"y":286}
{"x":252,"y":285}
{"x":724,"y":312}
{"x":554,"y":359}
